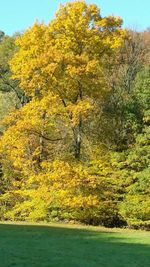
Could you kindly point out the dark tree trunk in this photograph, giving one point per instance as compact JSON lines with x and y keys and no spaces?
{"x":78,"y":139}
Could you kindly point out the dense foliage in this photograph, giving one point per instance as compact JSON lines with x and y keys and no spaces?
{"x":76,"y":145}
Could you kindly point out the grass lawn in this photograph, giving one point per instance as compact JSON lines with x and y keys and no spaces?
{"x":24,"y":245}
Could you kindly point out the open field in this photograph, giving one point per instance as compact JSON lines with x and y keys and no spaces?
{"x":57,"y":245}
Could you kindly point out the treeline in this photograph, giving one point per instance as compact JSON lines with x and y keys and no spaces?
{"x":75,"y":121}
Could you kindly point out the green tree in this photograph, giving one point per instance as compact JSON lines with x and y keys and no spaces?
{"x":135,"y":162}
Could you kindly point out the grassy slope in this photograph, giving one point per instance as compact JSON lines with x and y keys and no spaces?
{"x":72,"y":246}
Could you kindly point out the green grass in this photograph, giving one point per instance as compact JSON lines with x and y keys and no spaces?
{"x":72,"y":246}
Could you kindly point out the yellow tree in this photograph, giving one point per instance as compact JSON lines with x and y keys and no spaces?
{"x":62,"y":66}
{"x":69,"y":58}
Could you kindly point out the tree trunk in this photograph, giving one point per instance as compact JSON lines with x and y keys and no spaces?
{"x":77,"y":136}
{"x":41,"y":140}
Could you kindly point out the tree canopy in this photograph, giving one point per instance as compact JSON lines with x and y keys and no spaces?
{"x":76,"y":145}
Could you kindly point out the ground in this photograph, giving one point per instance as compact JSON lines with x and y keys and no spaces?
{"x":57,"y":245}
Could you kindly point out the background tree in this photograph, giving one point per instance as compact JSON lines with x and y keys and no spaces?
{"x":122,"y":108}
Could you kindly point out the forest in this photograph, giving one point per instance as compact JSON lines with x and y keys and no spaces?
{"x":75,"y":121}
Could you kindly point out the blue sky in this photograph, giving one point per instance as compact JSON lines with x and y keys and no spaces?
{"x":17,"y":15}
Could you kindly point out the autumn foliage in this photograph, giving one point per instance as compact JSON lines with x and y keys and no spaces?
{"x":55,"y":154}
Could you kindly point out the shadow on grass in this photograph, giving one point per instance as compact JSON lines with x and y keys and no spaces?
{"x":44,"y":246}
